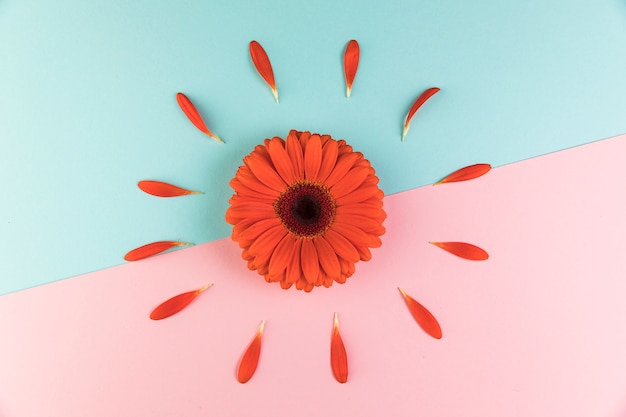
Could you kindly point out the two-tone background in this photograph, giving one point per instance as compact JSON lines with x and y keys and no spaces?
{"x":87,"y":109}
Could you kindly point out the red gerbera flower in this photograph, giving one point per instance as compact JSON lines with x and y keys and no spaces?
{"x":305,"y":210}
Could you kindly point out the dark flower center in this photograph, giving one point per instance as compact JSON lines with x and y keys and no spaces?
{"x":306,"y":209}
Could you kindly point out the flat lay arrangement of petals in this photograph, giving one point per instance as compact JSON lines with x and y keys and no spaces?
{"x":305,"y":209}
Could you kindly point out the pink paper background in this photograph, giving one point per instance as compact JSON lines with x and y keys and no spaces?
{"x":537,"y":330}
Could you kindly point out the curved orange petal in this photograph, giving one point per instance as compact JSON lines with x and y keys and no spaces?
{"x":282,"y":255}
{"x":321,"y":277}
{"x":152,"y":249}
{"x":416,"y":105}
{"x":294,"y":268}
{"x":422,"y":316}
{"x":367,"y":224}
{"x":344,"y":147}
{"x":281,"y":161}
{"x":312,"y":158}
{"x":347,"y":270}
{"x":294,"y":150}
{"x":248,"y":192}
{"x":359,"y":195}
{"x":248,"y":179}
{"x":327,"y":257}
{"x":257,"y":228}
{"x":351,"y":64}
{"x":338,"y":356}
{"x":175,"y":304}
{"x":194,"y":115}
{"x":303,"y":285}
{"x":250,"y":359}
{"x":264,"y":170}
{"x":342,"y":246}
{"x":330,"y":151}
{"x":303,"y":137}
{"x":263,"y":66}
{"x":364,"y":210}
{"x":266,"y":242}
{"x":354,"y":234}
{"x":163,"y":189}
{"x":350,"y":182}
{"x":466,"y":173}
{"x":310,"y":261}
{"x":463,"y":250}
{"x":344,"y":164}
{"x":249,"y":210}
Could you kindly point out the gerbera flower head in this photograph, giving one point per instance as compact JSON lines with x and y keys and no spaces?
{"x":305,"y":210}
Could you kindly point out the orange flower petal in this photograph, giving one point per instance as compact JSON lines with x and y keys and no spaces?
{"x":310,"y":261}
{"x":163,"y":189}
{"x":347,"y":270}
{"x":330,"y":151}
{"x":418,"y":103}
{"x":262,"y":64}
{"x":338,"y":356}
{"x":265,"y":172}
{"x":463,"y":250}
{"x":267,"y":241}
{"x":254,"y":210}
{"x":176,"y":303}
{"x":304,"y":139}
{"x":312,"y":158}
{"x":365,"y":223}
{"x":253,"y":232}
{"x":294,"y":268}
{"x":354,"y":234}
{"x":350,"y":182}
{"x":248,"y":192}
{"x":248,"y":179}
{"x":281,"y":161}
{"x":152,"y":249}
{"x":294,"y":150}
{"x":327,"y":257}
{"x":363,"y":210}
{"x":466,"y":173}
{"x":350,"y":64}
{"x":250,"y":359}
{"x":422,"y":316}
{"x":342,"y":246}
{"x":344,"y":164}
{"x":359,"y":195}
{"x":282,"y":255}
{"x":194,"y":116}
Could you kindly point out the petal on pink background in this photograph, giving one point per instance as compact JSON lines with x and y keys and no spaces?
{"x":537,"y":330}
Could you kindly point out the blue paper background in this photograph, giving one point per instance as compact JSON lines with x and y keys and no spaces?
{"x":87,"y":105}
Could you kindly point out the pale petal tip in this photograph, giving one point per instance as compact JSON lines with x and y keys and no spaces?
{"x":206,"y":287}
{"x":215,"y":137}
{"x":404,"y":132}
{"x":348,"y":91}
{"x":262,"y":326}
{"x":275,"y":93}
{"x":336,"y":320}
